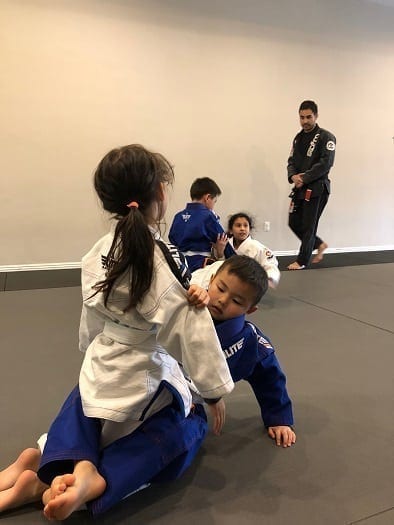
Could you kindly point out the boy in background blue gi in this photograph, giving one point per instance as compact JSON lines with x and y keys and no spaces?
{"x":196,"y":230}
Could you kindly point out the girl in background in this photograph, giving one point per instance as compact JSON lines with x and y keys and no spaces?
{"x":239,"y":228}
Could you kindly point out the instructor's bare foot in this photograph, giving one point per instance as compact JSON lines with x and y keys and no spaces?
{"x":29,"y":459}
{"x":68,"y":492}
{"x":295,"y":266}
{"x":319,"y":256}
{"x":27,"y":489}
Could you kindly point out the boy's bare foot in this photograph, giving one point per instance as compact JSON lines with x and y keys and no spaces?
{"x":70,"y":491}
{"x":319,"y":256}
{"x":26,"y":489}
{"x":58,"y":486}
{"x":295,"y":266}
{"x":29,"y":459}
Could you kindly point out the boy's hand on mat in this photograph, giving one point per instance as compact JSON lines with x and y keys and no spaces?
{"x":197,"y":296}
{"x":282,"y":435}
{"x":218,"y":414}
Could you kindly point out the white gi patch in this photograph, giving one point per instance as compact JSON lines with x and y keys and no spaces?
{"x":330,"y":145}
{"x":312,"y":145}
{"x":233,"y":349}
{"x":264,"y":341}
{"x":186,"y":216}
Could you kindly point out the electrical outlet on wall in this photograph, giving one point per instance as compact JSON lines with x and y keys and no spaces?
{"x":267,"y":226}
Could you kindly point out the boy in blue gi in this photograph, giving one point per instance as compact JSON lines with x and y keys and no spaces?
{"x":196,"y":230}
{"x":165,"y":445}
{"x":235,"y":287}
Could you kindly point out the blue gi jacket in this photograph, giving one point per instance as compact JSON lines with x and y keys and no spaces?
{"x":193,"y":231}
{"x":251,"y":356}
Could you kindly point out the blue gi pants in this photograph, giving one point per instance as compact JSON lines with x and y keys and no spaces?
{"x":159,"y":450}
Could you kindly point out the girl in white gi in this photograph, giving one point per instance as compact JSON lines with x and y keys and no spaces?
{"x":136,"y":327}
{"x":239,"y":228}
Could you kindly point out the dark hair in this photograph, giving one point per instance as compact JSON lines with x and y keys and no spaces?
{"x":131,"y":173}
{"x":308,"y":104}
{"x":240,"y":215}
{"x":204,"y":186}
{"x":249,"y":271}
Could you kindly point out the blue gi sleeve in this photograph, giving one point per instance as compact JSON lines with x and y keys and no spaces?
{"x":213,"y":227}
{"x":172,"y":235}
{"x":229,"y":251}
{"x":269,"y":386}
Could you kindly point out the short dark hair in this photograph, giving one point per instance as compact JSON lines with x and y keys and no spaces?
{"x":204,"y":186}
{"x":240,"y":215}
{"x":249,"y":271}
{"x":309,"y":104}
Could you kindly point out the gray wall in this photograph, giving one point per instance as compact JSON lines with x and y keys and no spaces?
{"x":215,"y":86}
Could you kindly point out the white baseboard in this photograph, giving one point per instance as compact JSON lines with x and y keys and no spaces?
{"x":348,"y":249}
{"x":73,"y":265}
{"x":44,"y":266}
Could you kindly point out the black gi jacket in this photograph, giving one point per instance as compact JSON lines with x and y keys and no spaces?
{"x":315,"y":164}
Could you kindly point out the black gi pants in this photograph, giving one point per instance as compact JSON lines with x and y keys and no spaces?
{"x":303,"y":221}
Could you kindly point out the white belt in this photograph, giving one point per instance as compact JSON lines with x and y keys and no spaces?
{"x":190,"y":253}
{"x":126,"y":335}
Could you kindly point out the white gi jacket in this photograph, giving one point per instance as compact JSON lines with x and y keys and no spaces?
{"x":262,"y":255}
{"x":128,"y":353}
{"x":202,"y":277}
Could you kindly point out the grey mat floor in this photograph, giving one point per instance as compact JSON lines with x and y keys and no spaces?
{"x":333,"y":329}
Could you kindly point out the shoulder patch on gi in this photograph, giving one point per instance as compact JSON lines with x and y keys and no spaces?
{"x":330,"y":145}
{"x":262,"y":340}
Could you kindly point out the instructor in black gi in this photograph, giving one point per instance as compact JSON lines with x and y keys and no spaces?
{"x":310,"y":161}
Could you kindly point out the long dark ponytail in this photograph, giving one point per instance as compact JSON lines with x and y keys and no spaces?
{"x":127,"y":182}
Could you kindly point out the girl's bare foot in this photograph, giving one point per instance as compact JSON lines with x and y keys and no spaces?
{"x":58,"y":486}
{"x":319,"y":256}
{"x":26,"y":489}
{"x":82,"y":486}
{"x":29,"y":459}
